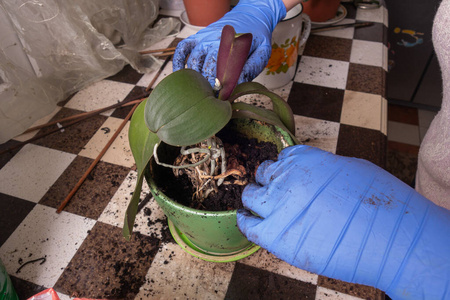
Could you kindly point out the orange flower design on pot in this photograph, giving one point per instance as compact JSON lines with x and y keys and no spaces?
{"x":287,"y":37}
{"x":291,"y":54}
{"x":276,"y":60}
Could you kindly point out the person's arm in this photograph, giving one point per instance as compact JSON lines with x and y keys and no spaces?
{"x":199,"y":51}
{"x":347,"y":219}
{"x":290,"y":4}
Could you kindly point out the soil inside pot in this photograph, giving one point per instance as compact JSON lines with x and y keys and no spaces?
{"x":248,"y":153}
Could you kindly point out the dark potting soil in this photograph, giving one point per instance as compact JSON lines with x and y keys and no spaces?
{"x":248,"y":153}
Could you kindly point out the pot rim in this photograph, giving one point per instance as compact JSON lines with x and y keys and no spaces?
{"x":293,"y":13}
{"x":155,"y":190}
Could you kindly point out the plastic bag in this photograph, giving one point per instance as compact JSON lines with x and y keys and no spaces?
{"x":7,"y":291}
{"x":70,"y":44}
{"x":50,"y":294}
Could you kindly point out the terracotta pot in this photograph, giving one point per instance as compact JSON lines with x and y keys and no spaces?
{"x":321,"y":10}
{"x":205,"y":12}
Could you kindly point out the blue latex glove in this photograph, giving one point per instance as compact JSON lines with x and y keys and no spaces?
{"x":254,"y":16}
{"x":348,"y":219}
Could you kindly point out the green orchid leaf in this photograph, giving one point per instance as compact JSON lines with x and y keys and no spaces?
{"x":182,"y":109}
{"x":131,"y":212}
{"x":231,"y":58}
{"x":244,"y":110}
{"x":280,"y":107}
{"x":140,"y":138}
{"x":142,"y":142}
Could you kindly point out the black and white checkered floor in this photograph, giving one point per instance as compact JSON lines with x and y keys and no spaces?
{"x":338,"y":99}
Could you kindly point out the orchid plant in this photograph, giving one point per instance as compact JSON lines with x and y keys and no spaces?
{"x":184,"y":110}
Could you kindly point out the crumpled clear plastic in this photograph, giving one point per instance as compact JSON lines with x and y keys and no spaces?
{"x":50,"y":294}
{"x":70,"y":45}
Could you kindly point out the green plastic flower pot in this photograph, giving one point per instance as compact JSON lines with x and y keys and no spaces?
{"x":211,"y":235}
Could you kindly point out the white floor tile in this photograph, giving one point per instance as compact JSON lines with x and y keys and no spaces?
{"x":26,"y":136}
{"x":322,"y":72}
{"x":317,"y":133}
{"x":148,"y":77}
{"x":264,"y":260}
{"x":32,"y":171}
{"x":149,"y":219}
{"x":177,"y":275}
{"x":119,"y":152}
{"x":264,"y":101}
{"x":367,"y":53}
{"x":284,"y":91}
{"x":362,"y":110}
{"x":161,"y":44}
{"x":327,"y":294}
{"x":384,"y":116}
{"x":44,"y":233}
{"x":100,"y":94}
{"x":186,"y":32}
{"x":378,"y":15}
{"x":403,"y":133}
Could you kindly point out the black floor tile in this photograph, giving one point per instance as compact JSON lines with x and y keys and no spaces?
{"x":73,"y":138}
{"x":96,"y":191}
{"x":402,"y":165}
{"x":328,"y":47}
{"x":25,"y":289}
{"x":12,"y":212}
{"x":362,"y":143}
{"x":366,"y":79}
{"x":316,"y":102}
{"x":107,"y":266}
{"x":138,"y":92}
{"x":251,"y":283}
{"x":374,"y":33}
{"x":357,"y":290}
{"x":5,"y":157}
{"x":127,"y":75}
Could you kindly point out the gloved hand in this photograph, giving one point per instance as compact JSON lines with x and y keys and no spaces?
{"x":254,"y":16}
{"x":348,"y":219}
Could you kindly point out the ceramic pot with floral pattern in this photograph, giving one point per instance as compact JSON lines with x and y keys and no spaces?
{"x":289,"y":35}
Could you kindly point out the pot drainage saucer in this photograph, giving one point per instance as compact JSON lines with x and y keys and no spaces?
{"x":340,"y":15}
{"x":185,"y":20}
{"x":190,"y":248}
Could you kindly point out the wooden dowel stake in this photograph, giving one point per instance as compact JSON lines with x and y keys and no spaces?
{"x":170,"y":49}
{"x":122,"y":125}
{"x":94,"y":163}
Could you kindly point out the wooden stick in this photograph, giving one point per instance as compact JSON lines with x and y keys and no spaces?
{"x":82,"y":115}
{"x":122,"y":125}
{"x":94,"y":163}
{"x":75,"y":119}
{"x":164,"y":54}
{"x":334,"y":27}
{"x":42,"y":135}
{"x":149,"y":87}
{"x":157,"y":50}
